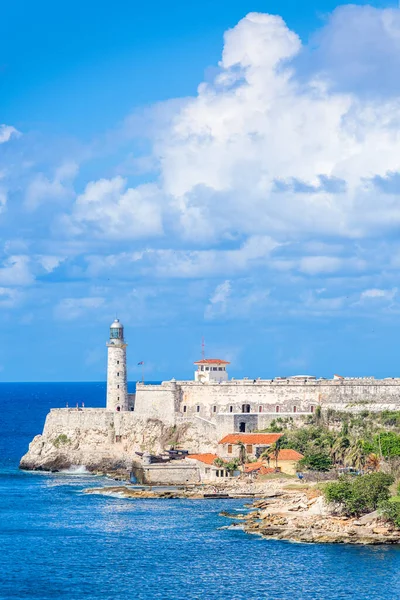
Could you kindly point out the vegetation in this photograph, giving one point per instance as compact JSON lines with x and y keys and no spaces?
{"x":316,"y":461}
{"x":364,"y":441}
{"x":359,"y":495}
{"x":61,"y":440}
{"x":391,"y":511}
{"x":230,"y":466}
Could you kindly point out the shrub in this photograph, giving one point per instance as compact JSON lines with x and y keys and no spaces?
{"x":391,"y":512}
{"x":61,"y":440}
{"x":387,"y":443}
{"x":315,"y":461}
{"x":361,"y":494}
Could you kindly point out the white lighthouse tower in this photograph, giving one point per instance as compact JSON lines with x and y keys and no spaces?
{"x":117,"y":388}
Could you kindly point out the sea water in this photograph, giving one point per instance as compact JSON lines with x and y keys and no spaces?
{"x":56,"y":542}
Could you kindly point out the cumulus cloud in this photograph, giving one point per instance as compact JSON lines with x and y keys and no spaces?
{"x":264,"y":150}
{"x":170,"y":263}
{"x":112,"y":210}
{"x":6,"y":132}
{"x":15,"y":271}
{"x":43,"y":189}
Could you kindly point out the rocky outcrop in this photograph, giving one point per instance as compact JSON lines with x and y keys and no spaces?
{"x":296,"y":517}
{"x":105,"y":441}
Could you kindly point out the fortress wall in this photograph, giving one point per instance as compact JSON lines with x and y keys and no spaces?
{"x":157,"y":401}
{"x":349,"y":395}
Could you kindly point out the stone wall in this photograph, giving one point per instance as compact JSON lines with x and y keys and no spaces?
{"x":176,"y":473}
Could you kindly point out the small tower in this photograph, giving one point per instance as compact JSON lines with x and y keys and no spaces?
{"x":211,"y":370}
{"x":117,"y":388}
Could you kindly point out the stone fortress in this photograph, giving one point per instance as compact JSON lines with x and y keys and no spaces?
{"x":192,"y":414}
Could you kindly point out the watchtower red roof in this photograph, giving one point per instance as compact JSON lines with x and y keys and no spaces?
{"x":212,"y":361}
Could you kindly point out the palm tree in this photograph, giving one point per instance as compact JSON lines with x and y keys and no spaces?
{"x":356,"y":454}
{"x":242,"y":453}
{"x":340,"y":449}
{"x":273,"y":452}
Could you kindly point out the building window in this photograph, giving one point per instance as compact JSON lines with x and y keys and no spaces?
{"x":118,"y":438}
{"x":184,"y":409}
{"x":207,"y":368}
{"x":220,"y":369}
{"x":201,"y":368}
{"x":207,"y":470}
{"x":197,"y":408}
{"x":260,"y":409}
{"x":242,"y":427}
{"x":230,"y":448}
{"x":245,"y":408}
{"x":217,"y":473}
{"x":312,"y":408}
{"x":118,"y":386}
{"x":277,"y":409}
{"x":118,"y":398}
{"x":118,"y":374}
{"x":118,"y":408}
{"x":214,"y":409}
{"x":231,"y":409}
{"x":249,"y":449}
{"x":294,"y":409}
{"x":215,"y":369}
{"x":117,"y":362}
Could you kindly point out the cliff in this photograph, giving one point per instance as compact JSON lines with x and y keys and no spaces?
{"x":103,"y":440}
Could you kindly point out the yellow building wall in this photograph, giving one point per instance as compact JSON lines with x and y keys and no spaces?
{"x":286,"y":466}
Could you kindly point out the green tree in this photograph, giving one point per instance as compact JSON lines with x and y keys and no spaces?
{"x":315,"y":461}
{"x":361,"y":494}
{"x":387,"y":444}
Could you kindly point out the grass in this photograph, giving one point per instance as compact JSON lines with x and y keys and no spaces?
{"x":394,"y":499}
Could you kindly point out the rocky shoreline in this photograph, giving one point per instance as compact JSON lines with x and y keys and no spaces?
{"x":302,"y":516}
{"x":278,"y":511}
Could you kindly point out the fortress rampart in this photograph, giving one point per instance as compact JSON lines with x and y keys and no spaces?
{"x":194,"y":414}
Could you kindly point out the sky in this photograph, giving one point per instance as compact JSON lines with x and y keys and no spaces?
{"x":222,"y":170}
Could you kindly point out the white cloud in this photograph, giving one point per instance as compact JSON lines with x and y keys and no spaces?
{"x":6,"y":132}
{"x":218,"y":301}
{"x":261,"y":152}
{"x":9,"y":297}
{"x":49,"y":262}
{"x":42,"y":189}
{"x":115,"y":211}
{"x":255,"y":251}
{"x":15,"y":271}
{"x":378,"y":293}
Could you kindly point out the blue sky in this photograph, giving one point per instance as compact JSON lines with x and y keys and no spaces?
{"x":224,"y":169}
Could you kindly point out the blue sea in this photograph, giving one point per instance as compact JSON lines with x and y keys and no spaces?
{"x":56,"y":542}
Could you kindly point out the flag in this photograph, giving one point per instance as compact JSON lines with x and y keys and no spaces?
{"x":141,"y":363}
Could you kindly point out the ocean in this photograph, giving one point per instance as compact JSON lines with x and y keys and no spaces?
{"x":56,"y":542}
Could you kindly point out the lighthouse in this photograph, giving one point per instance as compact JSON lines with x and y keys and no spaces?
{"x":117,"y":389}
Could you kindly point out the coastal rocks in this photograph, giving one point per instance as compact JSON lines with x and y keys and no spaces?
{"x":283,"y":518}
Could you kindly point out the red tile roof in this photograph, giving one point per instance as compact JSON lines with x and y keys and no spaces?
{"x":212,"y":361}
{"x":208,"y":459}
{"x":259,"y":439}
{"x":250,"y":467}
{"x":288,"y":454}
{"x":266,"y":470}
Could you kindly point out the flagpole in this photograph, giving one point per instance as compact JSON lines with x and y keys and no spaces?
{"x":142,"y":371}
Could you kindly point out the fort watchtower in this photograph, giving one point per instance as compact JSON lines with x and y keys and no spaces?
{"x":211,"y":370}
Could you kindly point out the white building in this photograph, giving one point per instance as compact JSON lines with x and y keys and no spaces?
{"x":211,"y":370}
